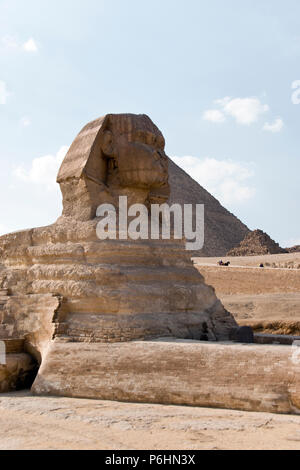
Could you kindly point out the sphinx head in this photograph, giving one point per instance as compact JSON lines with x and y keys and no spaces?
{"x":134,"y":149}
{"x":116,"y":154}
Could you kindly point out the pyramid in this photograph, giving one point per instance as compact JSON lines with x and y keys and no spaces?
{"x":257,"y":243}
{"x":294,"y":249}
{"x":223,"y":230}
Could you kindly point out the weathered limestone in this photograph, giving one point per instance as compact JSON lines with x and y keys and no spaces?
{"x":246,"y":377}
{"x":62,"y":281}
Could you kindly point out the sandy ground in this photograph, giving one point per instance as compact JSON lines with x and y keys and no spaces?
{"x":253,"y":261}
{"x":28,"y":422}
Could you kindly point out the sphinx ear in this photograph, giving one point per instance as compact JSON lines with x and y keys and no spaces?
{"x":107,"y":143}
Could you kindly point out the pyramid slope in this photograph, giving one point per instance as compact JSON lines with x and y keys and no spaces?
{"x":223,"y":230}
{"x":257,"y":243}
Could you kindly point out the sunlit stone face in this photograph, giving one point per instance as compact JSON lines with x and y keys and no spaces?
{"x":138,"y":159}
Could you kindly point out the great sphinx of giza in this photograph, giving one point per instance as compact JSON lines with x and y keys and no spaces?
{"x":118,"y":319}
{"x":65,"y":282}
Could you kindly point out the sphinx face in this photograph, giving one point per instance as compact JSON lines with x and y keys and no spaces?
{"x":139,"y":160}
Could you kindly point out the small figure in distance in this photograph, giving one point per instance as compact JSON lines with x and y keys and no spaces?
{"x":221,"y":263}
{"x":261,"y":265}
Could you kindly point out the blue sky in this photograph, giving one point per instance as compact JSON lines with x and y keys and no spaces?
{"x":215,"y":76}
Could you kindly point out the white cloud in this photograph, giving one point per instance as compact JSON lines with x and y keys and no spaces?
{"x":213,"y":115}
{"x":276,"y":126}
{"x":244,"y":110}
{"x":225,"y":179}
{"x":4,"y":94}
{"x":30,"y":46}
{"x":25,"y":121}
{"x":43,"y":170}
{"x":12,"y":43}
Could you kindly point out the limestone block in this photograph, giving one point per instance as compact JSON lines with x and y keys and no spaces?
{"x":223,"y":375}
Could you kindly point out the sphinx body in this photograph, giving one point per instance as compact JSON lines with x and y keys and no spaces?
{"x":61,"y":283}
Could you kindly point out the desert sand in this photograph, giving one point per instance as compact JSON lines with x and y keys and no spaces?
{"x":29,"y":422}
{"x":267,"y":299}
